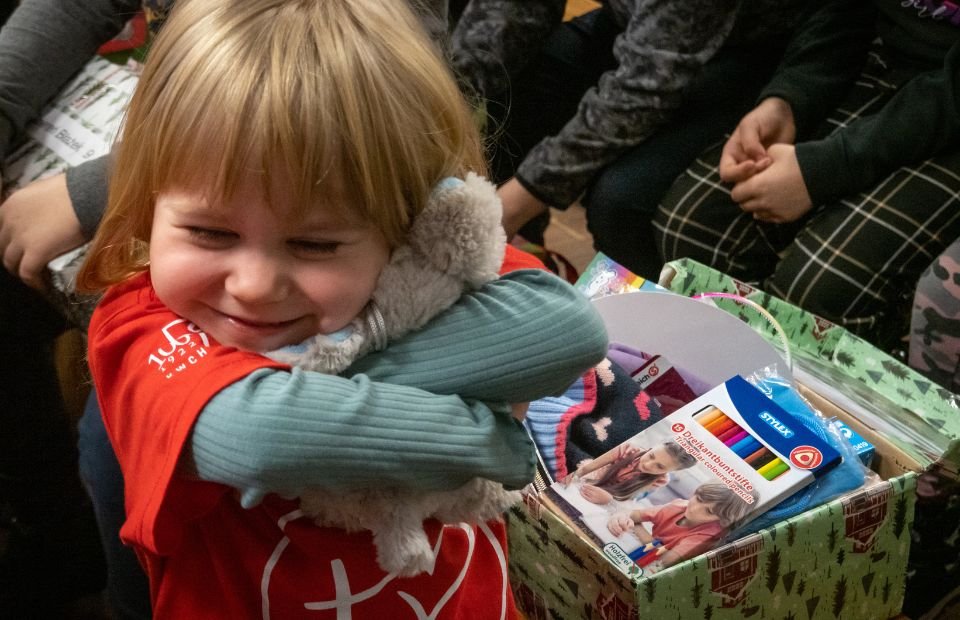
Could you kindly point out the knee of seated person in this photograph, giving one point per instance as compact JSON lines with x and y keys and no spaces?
{"x":614,"y":196}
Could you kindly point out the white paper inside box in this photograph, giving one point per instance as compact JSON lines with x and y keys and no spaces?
{"x":847,"y":557}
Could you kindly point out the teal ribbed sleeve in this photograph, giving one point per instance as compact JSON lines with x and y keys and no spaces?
{"x":517,"y":339}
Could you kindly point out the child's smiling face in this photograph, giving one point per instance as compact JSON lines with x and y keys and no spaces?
{"x":256,"y":275}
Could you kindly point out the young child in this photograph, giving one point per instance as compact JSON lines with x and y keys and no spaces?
{"x":274,"y":155}
{"x":684,"y":528}
{"x":630,"y":472}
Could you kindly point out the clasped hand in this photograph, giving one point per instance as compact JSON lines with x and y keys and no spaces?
{"x":760,"y":161}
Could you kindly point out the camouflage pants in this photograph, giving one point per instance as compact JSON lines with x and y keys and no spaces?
{"x":935,"y":322}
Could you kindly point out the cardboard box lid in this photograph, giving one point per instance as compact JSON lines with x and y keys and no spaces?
{"x":663,"y":323}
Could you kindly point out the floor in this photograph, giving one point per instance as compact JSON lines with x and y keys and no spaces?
{"x":578,"y":7}
{"x":568,"y":235}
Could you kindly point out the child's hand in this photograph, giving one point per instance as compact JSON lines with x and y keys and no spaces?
{"x":658,"y":482}
{"x":576,"y":474}
{"x":594,"y":494}
{"x":778,"y":194}
{"x":519,"y":206}
{"x":745,"y":153}
{"x":37,"y":224}
{"x":620,"y":523}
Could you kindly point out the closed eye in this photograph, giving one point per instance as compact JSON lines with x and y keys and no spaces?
{"x":309,"y":246}
{"x":210,"y":236}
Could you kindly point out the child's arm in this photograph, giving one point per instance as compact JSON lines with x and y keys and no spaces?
{"x":280,"y":431}
{"x":517,"y":339}
{"x":528,"y":334}
{"x":624,"y":522}
{"x":920,"y":121}
{"x":821,"y":60}
{"x":690,"y":546}
{"x":605,"y":459}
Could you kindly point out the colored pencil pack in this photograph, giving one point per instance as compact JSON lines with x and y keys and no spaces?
{"x":709,"y":467}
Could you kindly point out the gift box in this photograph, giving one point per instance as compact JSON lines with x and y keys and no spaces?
{"x":847,"y":557}
{"x":918,"y":416}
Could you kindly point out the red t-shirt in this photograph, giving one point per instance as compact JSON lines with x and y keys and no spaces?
{"x":515,"y":259}
{"x":684,"y":541}
{"x":206,"y":556}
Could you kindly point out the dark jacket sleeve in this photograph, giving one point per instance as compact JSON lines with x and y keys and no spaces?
{"x":494,"y":39}
{"x":921,"y":120}
{"x":87,"y":186}
{"x":664,"y":46}
{"x":822,"y":60}
{"x":42,"y":45}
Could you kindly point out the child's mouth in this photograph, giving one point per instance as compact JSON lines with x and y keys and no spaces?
{"x":257,"y":325}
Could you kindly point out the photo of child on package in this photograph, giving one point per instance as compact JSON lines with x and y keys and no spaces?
{"x":652,"y":498}
{"x":677,"y":488}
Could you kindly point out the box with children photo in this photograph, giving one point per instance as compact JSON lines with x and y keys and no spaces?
{"x":845,"y":556}
{"x":680,"y":486}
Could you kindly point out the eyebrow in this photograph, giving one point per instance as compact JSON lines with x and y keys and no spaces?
{"x":183,"y":203}
{"x":321,"y":222}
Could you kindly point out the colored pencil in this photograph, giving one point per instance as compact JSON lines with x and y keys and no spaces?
{"x":763,"y":459}
{"x":721,"y":421}
{"x":756,"y":456}
{"x":745,"y":447}
{"x":708,"y":416}
{"x":736,"y":438}
{"x":720,"y":429}
{"x":766,"y":469}
{"x":780,"y":468}
{"x":741,"y":443}
{"x":730,"y":433}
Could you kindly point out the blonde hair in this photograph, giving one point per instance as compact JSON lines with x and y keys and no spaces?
{"x":348,"y":95}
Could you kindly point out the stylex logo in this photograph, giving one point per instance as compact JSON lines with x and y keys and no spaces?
{"x":777,"y":425}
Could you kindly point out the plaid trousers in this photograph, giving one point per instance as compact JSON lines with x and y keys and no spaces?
{"x":854,"y":261}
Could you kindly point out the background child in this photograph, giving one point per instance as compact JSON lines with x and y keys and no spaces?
{"x":630,"y":472}
{"x":273,"y":155}
{"x":684,"y":527}
{"x":608,"y":108}
{"x":836,"y":209}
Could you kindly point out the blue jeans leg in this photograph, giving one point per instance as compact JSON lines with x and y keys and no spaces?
{"x":128,"y":591}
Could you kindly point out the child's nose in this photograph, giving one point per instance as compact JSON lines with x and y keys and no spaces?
{"x":256,"y":278}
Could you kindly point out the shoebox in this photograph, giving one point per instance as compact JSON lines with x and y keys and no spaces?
{"x":846,"y":558}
